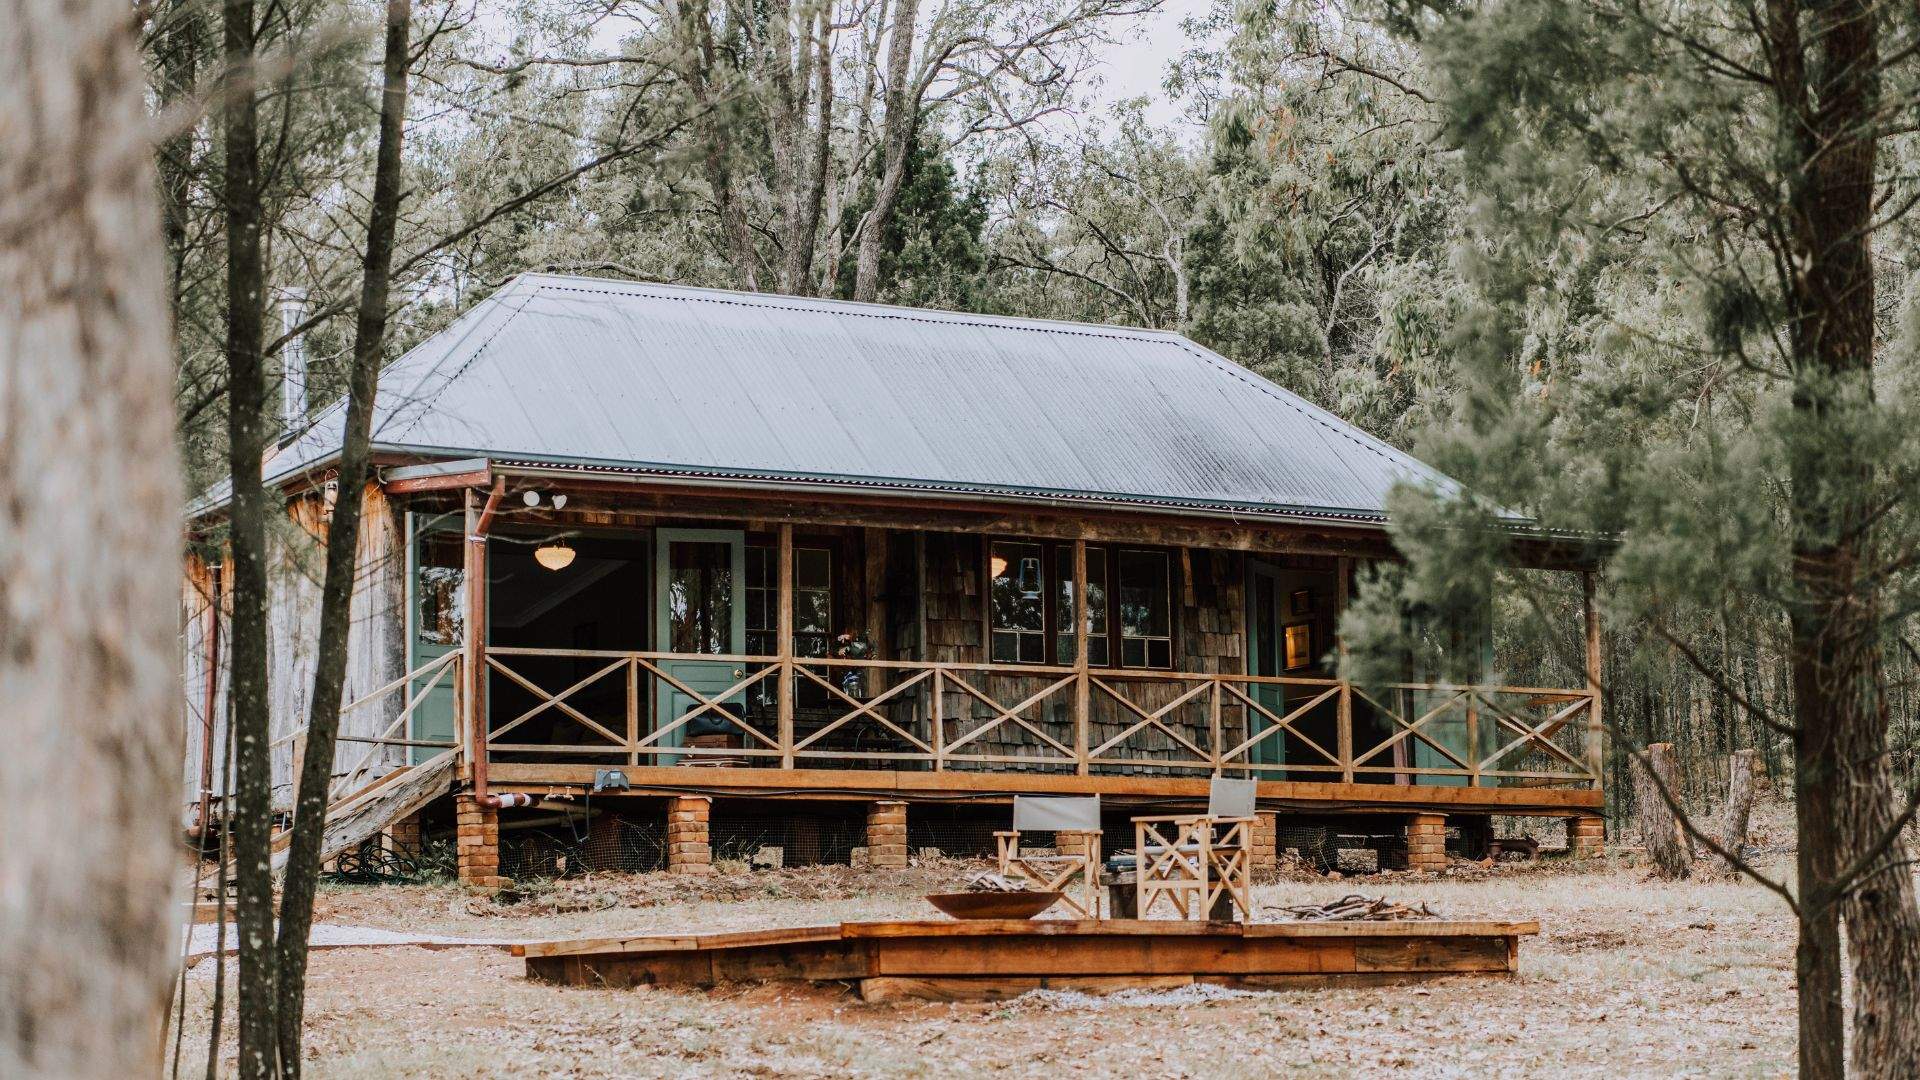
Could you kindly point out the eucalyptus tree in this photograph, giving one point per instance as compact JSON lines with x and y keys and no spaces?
{"x":1674,"y":336}
{"x":87,"y":549}
{"x":1102,"y":215}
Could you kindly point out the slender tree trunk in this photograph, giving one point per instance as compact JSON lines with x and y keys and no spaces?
{"x":897,"y":133}
{"x":803,"y":225}
{"x":89,"y":555}
{"x":1668,"y":847}
{"x":343,"y":534}
{"x":247,"y":510}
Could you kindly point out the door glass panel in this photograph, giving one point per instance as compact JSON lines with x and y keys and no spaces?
{"x":699,"y":596}
{"x":440,"y":614}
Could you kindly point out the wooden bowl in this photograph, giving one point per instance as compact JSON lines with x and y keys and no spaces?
{"x":993,"y":905}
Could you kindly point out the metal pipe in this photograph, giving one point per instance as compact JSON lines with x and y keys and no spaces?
{"x":208,"y":701}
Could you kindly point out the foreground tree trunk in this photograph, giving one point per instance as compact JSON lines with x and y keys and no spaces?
{"x":89,"y":554}
{"x":1830,"y":106}
{"x":1668,"y":847}
{"x":246,"y":516}
{"x":343,"y":536}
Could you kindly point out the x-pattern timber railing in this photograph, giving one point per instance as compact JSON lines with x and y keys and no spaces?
{"x":1089,"y":721}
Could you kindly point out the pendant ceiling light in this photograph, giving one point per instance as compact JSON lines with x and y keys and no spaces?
{"x":554,"y":556}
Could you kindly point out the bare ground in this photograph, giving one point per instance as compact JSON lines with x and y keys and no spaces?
{"x":1628,"y":979}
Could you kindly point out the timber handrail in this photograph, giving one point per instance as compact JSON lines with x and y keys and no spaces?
{"x":423,"y":680}
{"x":942,"y":715}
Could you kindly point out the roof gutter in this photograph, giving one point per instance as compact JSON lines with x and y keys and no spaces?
{"x":983,"y":499}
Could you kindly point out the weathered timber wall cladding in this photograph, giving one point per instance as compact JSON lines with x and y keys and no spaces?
{"x":376,"y":642}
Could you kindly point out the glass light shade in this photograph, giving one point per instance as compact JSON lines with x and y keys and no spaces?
{"x":554,"y":556}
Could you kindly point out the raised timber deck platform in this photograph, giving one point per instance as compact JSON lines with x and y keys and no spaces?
{"x":991,"y":959}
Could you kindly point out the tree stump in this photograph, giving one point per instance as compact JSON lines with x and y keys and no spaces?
{"x":1668,"y":847}
{"x":1734,"y":816}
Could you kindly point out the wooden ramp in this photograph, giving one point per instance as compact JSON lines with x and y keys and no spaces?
{"x":990,"y":959}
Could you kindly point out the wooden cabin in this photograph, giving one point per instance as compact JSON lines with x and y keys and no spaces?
{"x":647,"y":552}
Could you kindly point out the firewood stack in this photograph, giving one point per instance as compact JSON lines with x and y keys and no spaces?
{"x":1356,"y":908}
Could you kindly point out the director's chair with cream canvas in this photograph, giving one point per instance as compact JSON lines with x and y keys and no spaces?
{"x":1191,"y":860}
{"x":1073,"y":874}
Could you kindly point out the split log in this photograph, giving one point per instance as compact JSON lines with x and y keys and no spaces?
{"x":360,"y":817}
{"x":1738,"y":811}
{"x":1668,"y":846}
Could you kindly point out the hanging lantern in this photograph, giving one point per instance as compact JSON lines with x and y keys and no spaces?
{"x":554,"y":556}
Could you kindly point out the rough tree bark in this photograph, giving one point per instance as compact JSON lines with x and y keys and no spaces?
{"x":343,"y":535}
{"x":89,"y":554}
{"x":246,"y":517}
{"x":1830,"y":107}
{"x":897,"y":131}
{"x":1738,"y":810}
{"x":1668,"y":846}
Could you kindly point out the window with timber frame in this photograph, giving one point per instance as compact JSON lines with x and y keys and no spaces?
{"x":1030,"y":604}
{"x":812,"y":613}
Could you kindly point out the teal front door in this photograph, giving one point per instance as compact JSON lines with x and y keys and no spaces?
{"x":1266,"y":656}
{"x":700,"y":611}
{"x":436,"y":625}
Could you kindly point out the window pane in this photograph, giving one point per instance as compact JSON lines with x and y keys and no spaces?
{"x":1015,"y":599}
{"x":1133,"y":652}
{"x":1030,"y":649}
{"x":812,"y":611}
{"x":1096,"y":589}
{"x":1097,"y":653}
{"x":439,"y":586}
{"x":811,"y":568}
{"x":1145,"y":605}
{"x":1006,"y":647}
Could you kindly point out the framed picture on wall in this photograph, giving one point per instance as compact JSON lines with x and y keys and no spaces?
{"x":1299,"y":641}
{"x":1300,"y":602}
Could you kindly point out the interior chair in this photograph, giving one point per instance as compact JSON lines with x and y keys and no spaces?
{"x":1072,"y":870}
{"x":1189,"y":861}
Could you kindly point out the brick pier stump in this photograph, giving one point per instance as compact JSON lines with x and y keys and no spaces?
{"x":1586,"y":836}
{"x":1427,"y":843}
{"x":688,"y":849}
{"x":1265,"y":838}
{"x":477,"y":843}
{"x":887,"y":836}
{"x":403,"y":836}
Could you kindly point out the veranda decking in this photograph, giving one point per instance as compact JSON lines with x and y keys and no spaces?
{"x":991,"y":959}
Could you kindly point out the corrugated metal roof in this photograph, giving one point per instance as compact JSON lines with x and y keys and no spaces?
{"x":676,"y":380}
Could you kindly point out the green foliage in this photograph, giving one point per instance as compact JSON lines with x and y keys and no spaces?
{"x":933,"y":255}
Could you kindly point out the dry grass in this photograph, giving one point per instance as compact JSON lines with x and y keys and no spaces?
{"x":1628,"y":979}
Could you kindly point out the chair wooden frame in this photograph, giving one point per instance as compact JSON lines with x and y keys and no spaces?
{"x":1056,"y":872}
{"x":1191,"y":860}
{"x":1075,"y":874}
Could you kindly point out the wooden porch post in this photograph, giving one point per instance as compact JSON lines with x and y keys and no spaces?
{"x":1343,"y":574}
{"x":785,"y":646}
{"x":474,"y":570}
{"x":1596,"y":730}
{"x":1082,"y":650}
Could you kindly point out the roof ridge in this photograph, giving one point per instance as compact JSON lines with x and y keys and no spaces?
{"x":870,"y":309}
